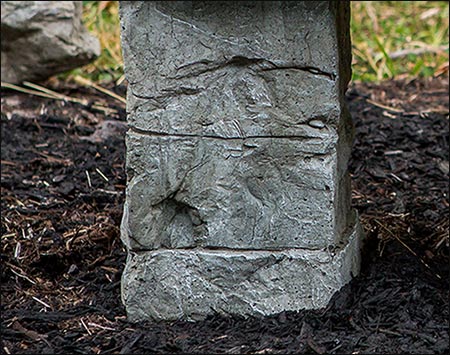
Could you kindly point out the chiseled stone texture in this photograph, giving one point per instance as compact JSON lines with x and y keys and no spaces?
{"x":237,"y":124}
{"x":236,"y":157}
{"x":43,"y":38}
{"x":184,"y":284}
{"x":234,"y":69}
{"x":253,"y":193}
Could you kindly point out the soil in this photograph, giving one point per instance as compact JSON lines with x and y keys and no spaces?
{"x":62,"y":192}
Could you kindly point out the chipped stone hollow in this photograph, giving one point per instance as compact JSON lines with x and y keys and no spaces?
{"x":238,"y":196}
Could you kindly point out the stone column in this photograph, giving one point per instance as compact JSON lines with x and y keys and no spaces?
{"x":238,"y":197}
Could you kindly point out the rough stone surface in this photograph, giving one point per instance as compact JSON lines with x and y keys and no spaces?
{"x":234,"y":70}
{"x":185,"y":284}
{"x":237,"y":156}
{"x":259,"y":193}
{"x":272,"y":100}
{"x":43,"y":38}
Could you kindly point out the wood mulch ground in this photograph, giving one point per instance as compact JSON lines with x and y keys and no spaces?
{"x":62,"y":190}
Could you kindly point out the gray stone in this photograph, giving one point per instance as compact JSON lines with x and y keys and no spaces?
{"x":192,"y":284}
{"x":316,"y":124}
{"x":43,"y":38}
{"x":236,"y":157}
{"x":271,"y":180}
{"x":238,"y":102}
{"x":233,"y":70}
{"x":253,"y":193}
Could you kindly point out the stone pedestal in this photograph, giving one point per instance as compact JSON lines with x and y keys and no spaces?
{"x":238,"y":197}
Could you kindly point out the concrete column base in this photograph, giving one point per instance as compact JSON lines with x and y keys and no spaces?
{"x":191,"y":284}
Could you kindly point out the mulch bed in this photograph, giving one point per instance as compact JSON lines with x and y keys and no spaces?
{"x":62,"y":192}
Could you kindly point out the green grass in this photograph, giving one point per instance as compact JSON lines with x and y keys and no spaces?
{"x":102,"y":19}
{"x":390,"y":39}
{"x":399,"y":39}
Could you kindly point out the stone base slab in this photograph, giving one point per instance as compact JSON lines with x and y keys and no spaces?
{"x":190,"y":284}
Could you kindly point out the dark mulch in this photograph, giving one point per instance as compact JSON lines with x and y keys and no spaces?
{"x":63,"y":183}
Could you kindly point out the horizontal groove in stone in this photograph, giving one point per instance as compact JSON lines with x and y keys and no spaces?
{"x":230,"y":250}
{"x":186,"y":135}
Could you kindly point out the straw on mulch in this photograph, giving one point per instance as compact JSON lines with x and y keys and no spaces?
{"x":63,"y":181}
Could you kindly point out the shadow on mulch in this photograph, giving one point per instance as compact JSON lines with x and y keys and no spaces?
{"x":63,"y":182}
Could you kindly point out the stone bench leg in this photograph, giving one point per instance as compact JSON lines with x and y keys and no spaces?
{"x":238,"y":196}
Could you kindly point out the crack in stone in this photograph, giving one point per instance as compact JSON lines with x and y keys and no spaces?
{"x":208,"y":136}
{"x":241,"y":61}
{"x":134,"y":239}
{"x":237,"y":250}
{"x":171,"y":93}
{"x":312,"y":70}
